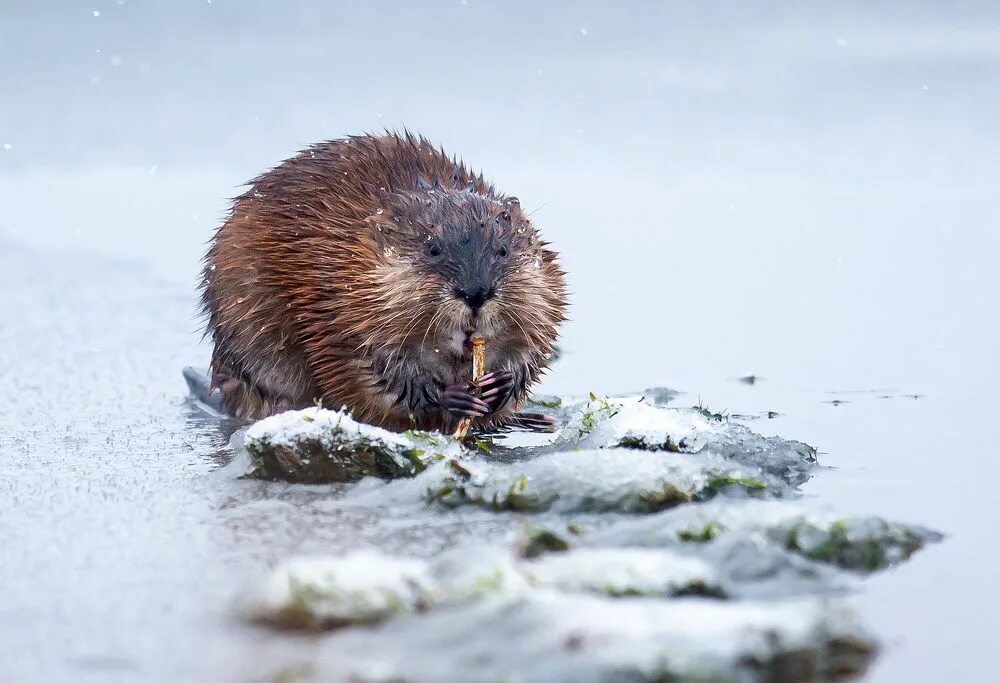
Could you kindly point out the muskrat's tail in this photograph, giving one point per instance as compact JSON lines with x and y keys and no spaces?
{"x":200,"y":385}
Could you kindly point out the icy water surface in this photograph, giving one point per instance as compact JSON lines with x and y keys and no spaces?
{"x":802,"y":195}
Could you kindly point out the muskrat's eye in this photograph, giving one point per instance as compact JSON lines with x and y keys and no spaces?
{"x":434,"y":249}
{"x":502,"y":252}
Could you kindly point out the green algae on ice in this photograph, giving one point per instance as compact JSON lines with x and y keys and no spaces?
{"x":862,"y":544}
{"x":537,"y":542}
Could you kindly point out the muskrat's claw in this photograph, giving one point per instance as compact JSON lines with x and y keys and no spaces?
{"x":457,"y":400}
{"x":536,"y":422}
{"x":495,"y":388}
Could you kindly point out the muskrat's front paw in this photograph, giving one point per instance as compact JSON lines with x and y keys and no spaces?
{"x":458,"y":400}
{"x":536,"y":422}
{"x":495,"y":388}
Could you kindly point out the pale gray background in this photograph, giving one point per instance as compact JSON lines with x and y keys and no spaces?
{"x":805,"y":191}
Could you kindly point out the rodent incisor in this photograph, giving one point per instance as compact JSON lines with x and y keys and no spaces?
{"x":356,"y":273}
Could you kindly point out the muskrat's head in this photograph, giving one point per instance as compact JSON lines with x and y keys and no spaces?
{"x":453,"y":264}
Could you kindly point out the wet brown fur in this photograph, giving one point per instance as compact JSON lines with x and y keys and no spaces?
{"x":316,"y":287}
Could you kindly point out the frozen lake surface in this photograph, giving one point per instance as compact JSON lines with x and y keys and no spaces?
{"x":805,"y":196}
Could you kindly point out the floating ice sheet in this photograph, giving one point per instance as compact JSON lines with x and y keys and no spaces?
{"x":460,"y":620}
{"x":695,"y":561}
{"x":863,"y":544}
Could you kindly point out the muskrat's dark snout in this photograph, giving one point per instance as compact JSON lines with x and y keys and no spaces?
{"x":475,"y":296}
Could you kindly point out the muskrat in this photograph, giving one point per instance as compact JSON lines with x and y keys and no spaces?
{"x":356,"y":273}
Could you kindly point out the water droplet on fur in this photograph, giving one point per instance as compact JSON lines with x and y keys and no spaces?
{"x":212,"y":267}
{"x":379,"y":211}
{"x":538,"y":262}
{"x":257,"y":194}
{"x":241,"y":300}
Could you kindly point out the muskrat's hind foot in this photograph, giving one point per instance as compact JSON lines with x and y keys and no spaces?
{"x":535,"y":422}
{"x":244,"y":400}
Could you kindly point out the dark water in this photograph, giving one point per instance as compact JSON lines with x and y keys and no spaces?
{"x":806,"y":195}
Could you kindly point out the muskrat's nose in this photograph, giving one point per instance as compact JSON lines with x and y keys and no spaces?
{"x":475,"y":297}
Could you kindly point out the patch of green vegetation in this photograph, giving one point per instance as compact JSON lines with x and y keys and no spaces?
{"x":546,"y":402}
{"x":516,"y":498}
{"x":541,"y":541}
{"x":700,"y":589}
{"x":667,"y":496}
{"x":458,"y":489}
{"x":490,"y":582}
{"x":694,"y":589}
{"x":639,"y":443}
{"x":866,"y":554}
{"x":574,"y":528}
{"x":718,"y":482}
{"x":414,"y":456}
{"x":703,"y":535}
{"x":596,"y":411}
{"x":439,"y":494}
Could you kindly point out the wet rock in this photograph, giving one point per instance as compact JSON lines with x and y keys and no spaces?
{"x":319,"y":446}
